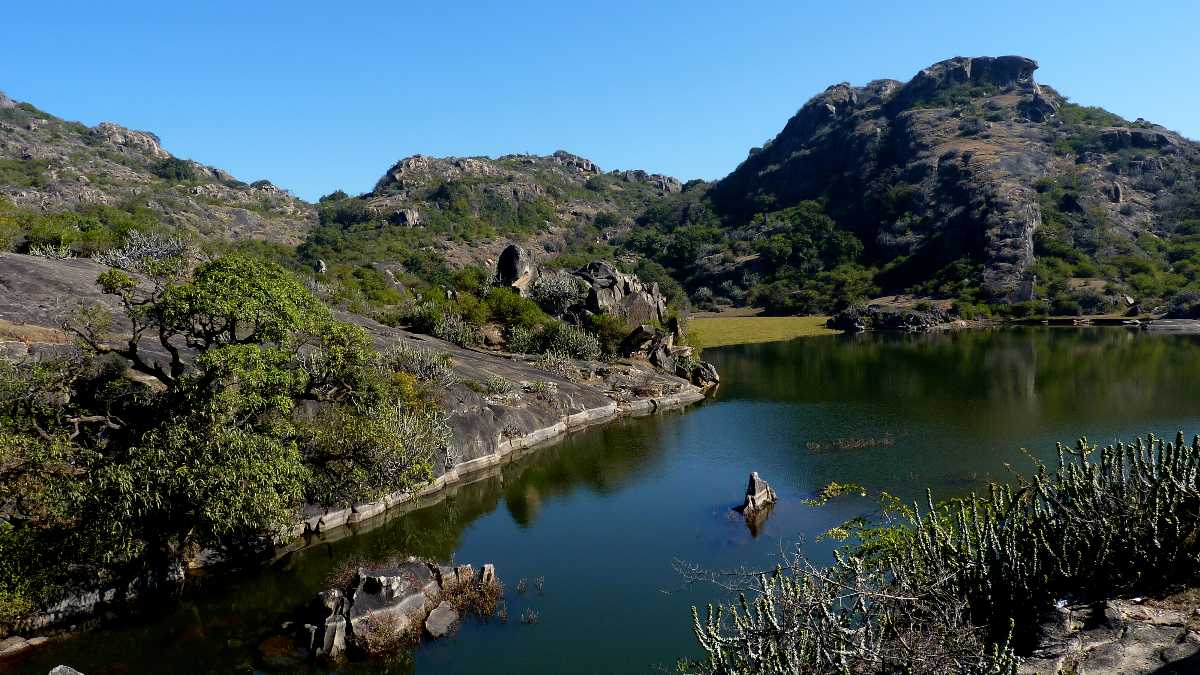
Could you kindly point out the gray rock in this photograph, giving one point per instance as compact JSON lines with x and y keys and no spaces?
{"x":618,"y":294}
{"x":6,"y":102}
{"x":441,"y":620}
{"x":515,"y":268}
{"x":64,"y":670}
{"x":759,"y":494}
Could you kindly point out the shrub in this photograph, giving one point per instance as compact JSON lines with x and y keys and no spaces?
{"x":508,"y":308}
{"x":147,"y":253}
{"x":360,"y":455}
{"x":521,"y":340}
{"x":175,"y":170}
{"x":425,"y":365}
{"x":558,"y":291}
{"x":453,"y":328}
{"x":974,"y":576}
{"x":610,"y":331}
{"x":574,"y":342}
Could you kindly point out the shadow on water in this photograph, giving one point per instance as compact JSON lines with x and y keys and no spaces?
{"x":219,"y":622}
{"x":603,"y":515}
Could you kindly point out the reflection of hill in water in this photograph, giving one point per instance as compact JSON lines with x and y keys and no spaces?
{"x":1105,"y":373}
{"x":601,"y":460}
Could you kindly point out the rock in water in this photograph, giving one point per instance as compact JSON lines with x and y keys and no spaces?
{"x":759,"y":495}
{"x":441,"y":619}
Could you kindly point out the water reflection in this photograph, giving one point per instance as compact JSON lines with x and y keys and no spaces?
{"x":604,"y":514}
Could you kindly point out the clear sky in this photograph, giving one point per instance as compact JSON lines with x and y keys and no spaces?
{"x":322,"y":95}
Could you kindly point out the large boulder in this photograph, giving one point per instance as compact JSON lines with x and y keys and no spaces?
{"x":515,"y":268}
{"x":625,"y":295}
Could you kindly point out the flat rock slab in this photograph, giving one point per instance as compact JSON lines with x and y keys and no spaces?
{"x":441,"y":619}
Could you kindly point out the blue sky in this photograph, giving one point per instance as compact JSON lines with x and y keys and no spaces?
{"x":318,"y":95}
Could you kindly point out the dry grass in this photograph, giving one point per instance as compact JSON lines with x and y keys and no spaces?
{"x":719,"y":331}
{"x":30,"y":334}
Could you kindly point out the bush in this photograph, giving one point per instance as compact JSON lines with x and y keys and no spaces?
{"x":508,"y":308}
{"x":557,"y":292}
{"x":574,"y":342}
{"x":610,"y":331}
{"x":175,"y":170}
{"x":453,"y":328}
{"x":974,"y":576}
{"x":425,"y":365}
{"x":521,"y":340}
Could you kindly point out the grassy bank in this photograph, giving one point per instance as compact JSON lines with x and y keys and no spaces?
{"x":718,"y":331}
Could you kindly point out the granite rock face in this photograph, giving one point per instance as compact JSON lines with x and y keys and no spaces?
{"x":949,"y":166}
{"x":516,"y":269}
{"x":615,"y":293}
{"x":1134,"y":637}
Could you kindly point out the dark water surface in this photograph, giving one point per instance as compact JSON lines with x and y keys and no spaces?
{"x":603,"y":515}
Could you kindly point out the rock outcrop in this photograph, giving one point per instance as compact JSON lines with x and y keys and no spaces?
{"x":953,"y":166}
{"x":397,"y":600}
{"x":1134,"y":637}
{"x":759,"y":495}
{"x":70,"y":166}
{"x":615,"y":293}
{"x":880,"y":317}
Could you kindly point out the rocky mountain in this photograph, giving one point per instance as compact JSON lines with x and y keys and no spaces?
{"x":971,"y":181}
{"x":50,"y":165}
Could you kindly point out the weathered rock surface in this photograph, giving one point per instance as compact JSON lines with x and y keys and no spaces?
{"x":876,"y":317}
{"x":759,"y":495}
{"x":64,"y":670}
{"x":1132,"y":637}
{"x":516,"y":268}
{"x":398,"y":599}
{"x":966,"y":144}
{"x":441,"y":620}
{"x":613,"y":292}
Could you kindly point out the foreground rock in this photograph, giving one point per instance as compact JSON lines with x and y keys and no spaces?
{"x":388,"y":606}
{"x":1118,"y":636}
{"x":760,"y":497}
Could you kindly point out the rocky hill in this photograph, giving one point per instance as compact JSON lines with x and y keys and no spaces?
{"x":971,"y":181}
{"x":50,"y":165}
{"x":465,"y":210}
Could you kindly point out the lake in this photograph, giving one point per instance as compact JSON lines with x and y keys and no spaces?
{"x":603,"y":516}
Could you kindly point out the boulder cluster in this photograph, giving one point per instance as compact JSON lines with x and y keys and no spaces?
{"x":409,"y":598}
{"x":605,"y":290}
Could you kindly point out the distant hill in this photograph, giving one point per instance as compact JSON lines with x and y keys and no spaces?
{"x":970,"y":184}
{"x":49,"y":165}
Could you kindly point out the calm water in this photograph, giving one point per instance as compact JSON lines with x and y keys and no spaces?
{"x":603,"y":515}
